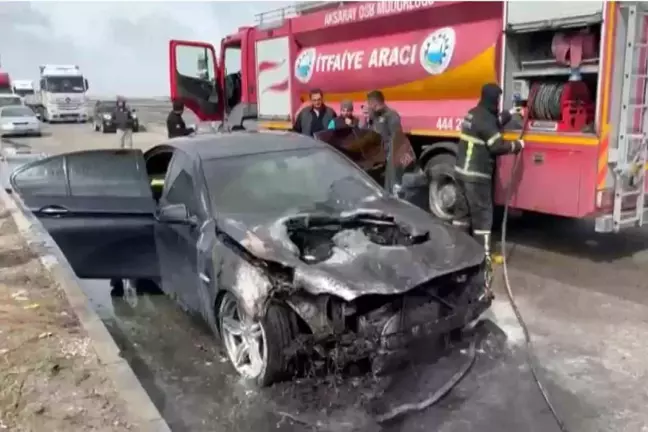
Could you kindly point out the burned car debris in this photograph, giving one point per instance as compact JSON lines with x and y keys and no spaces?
{"x":284,"y":246}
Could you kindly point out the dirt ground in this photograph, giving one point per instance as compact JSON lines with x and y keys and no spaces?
{"x":50,"y":377}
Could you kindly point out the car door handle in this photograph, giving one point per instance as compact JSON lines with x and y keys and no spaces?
{"x":53,"y":210}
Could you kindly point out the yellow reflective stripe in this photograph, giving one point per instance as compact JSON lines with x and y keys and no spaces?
{"x":494,"y":138}
{"x":157,"y":182}
{"x":471,"y":173}
{"x":469,"y":153}
{"x":469,"y":138}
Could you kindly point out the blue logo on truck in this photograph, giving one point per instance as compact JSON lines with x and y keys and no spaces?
{"x":437,"y":50}
{"x":305,"y":64}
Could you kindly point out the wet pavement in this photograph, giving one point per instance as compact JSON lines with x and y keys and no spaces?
{"x":583,"y":295}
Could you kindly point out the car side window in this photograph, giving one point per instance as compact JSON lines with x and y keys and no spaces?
{"x":181,"y":185}
{"x":45,"y":177}
{"x":120,"y":175}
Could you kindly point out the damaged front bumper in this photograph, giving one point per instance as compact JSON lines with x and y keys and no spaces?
{"x":394,"y":332}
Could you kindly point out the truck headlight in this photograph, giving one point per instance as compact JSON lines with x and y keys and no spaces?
{"x":107,"y":117}
{"x":7,"y":126}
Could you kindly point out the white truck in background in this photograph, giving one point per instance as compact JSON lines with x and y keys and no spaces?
{"x":62,"y":95}
{"x":27,"y":90}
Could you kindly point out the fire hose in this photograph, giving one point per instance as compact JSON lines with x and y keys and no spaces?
{"x":545,"y":103}
{"x":531,"y":361}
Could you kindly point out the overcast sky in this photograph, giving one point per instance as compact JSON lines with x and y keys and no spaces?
{"x":122,"y":47}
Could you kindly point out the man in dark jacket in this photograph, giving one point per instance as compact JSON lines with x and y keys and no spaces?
{"x":315,"y":118}
{"x":346,"y":117}
{"x":176,"y":126}
{"x":124,"y":124}
{"x":480,"y":143}
{"x":386,"y":122}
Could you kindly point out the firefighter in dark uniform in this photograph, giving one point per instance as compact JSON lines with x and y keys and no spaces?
{"x":176,"y":126}
{"x":480,"y":143}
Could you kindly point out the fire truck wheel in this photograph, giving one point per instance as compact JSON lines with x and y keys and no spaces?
{"x":443,"y":190}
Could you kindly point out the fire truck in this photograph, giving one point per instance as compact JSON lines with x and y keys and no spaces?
{"x":579,"y":71}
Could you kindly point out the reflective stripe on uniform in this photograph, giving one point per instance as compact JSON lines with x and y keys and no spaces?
{"x":469,"y":152}
{"x":494,"y":138}
{"x":470,"y":138}
{"x":481,"y":232}
{"x":459,"y":223}
{"x":157,"y":182}
{"x":469,"y":173}
{"x":471,"y":141}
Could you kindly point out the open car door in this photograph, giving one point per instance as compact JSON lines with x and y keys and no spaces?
{"x":196,"y":78}
{"x":98,"y":207}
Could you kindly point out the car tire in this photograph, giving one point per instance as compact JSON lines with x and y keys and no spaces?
{"x":276,"y":334}
{"x":441,"y":177}
{"x":279,"y":335}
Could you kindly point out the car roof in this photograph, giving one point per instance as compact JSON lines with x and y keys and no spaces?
{"x":241,"y":143}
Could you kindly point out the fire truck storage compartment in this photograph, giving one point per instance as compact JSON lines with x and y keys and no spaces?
{"x":554,"y":74}
{"x":560,"y":90}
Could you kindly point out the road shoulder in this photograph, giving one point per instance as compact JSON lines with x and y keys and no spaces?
{"x":132,"y":398}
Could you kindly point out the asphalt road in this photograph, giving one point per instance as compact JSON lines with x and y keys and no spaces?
{"x":582,"y":294}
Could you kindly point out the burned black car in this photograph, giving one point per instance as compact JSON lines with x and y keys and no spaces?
{"x":278,"y":241}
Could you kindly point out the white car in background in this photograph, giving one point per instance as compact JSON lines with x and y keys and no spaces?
{"x":18,"y":120}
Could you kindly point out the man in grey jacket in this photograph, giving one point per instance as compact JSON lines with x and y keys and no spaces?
{"x":386,"y":122}
{"x":124,"y":124}
{"x":315,"y":118}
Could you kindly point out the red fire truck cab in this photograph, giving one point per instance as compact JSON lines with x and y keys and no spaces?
{"x":5,"y":83}
{"x":579,"y":70}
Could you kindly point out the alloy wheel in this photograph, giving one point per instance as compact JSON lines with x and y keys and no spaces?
{"x":244,"y":338}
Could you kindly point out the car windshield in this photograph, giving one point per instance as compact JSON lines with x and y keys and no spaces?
{"x":7,"y":101}
{"x":18,"y":111}
{"x":65,"y":84}
{"x":288,"y":180}
{"x":105,"y":107}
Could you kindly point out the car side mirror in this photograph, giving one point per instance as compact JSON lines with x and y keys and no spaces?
{"x":176,"y":214}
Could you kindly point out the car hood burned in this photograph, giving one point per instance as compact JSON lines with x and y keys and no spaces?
{"x":384,"y":246}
